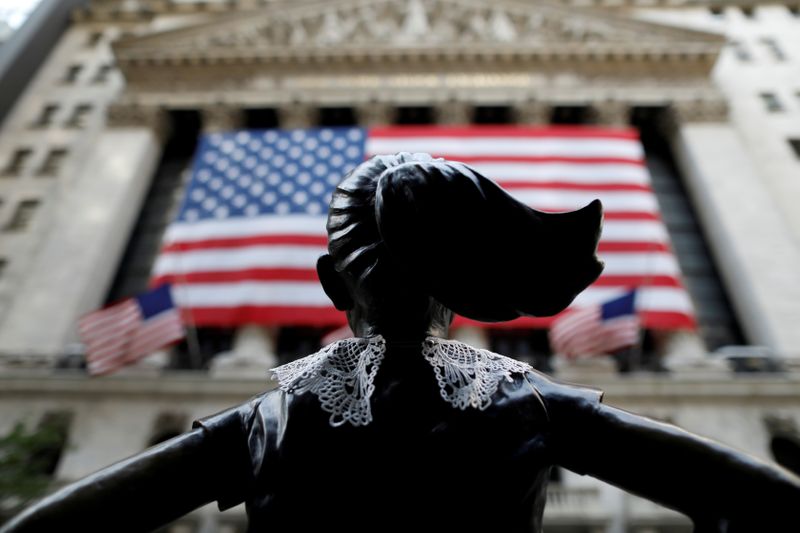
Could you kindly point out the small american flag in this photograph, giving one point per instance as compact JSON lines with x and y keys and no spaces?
{"x":245,"y":242}
{"x":129,"y":330}
{"x":597,"y":329}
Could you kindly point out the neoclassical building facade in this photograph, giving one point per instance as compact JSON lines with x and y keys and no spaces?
{"x":94,"y":155}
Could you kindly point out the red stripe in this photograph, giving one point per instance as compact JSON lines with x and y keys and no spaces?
{"x":255,"y":274}
{"x":554,"y":185}
{"x":573,"y":132}
{"x":642,"y":246}
{"x":551,"y":159}
{"x":630,"y":215}
{"x":650,"y":319}
{"x":237,"y":242}
{"x":637,"y":281}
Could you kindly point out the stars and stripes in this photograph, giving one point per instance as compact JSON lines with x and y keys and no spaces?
{"x":597,"y":329}
{"x":252,"y":223}
{"x":129,"y":330}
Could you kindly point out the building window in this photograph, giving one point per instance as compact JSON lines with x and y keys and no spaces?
{"x":795,"y":144}
{"x":415,"y":115}
{"x":741,"y":51}
{"x":46,"y":116}
{"x":569,"y":114}
{"x":337,"y":116}
{"x":771,"y":102}
{"x":716,"y":11}
{"x":748,"y":11}
{"x":79,"y":115}
{"x":73,"y":73}
{"x":794,"y":10}
{"x":492,"y":115}
{"x":18,"y":162}
{"x":3,"y":265}
{"x":774,"y":48}
{"x":52,"y":163}
{"x":23,"y":215}
{"x":101,"y":76}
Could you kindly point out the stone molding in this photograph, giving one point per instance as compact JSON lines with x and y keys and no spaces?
{"x":133,"y":115}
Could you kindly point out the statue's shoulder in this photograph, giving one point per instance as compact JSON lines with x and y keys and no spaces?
{"x":561,"y":398}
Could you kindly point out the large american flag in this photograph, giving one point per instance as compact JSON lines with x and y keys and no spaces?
{"x":245,"y":242}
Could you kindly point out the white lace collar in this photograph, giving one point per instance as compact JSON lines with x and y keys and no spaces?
{"x":342,"y":375}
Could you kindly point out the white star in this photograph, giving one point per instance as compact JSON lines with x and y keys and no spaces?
{"x":215,"y":139}
{"x":245,"y":181}
{"x":250,"y":162}
{"x":227,"y":192}
{"x":228,"y":146}
{"x":290,"y":170}
{"x":317,"y":188}
{"x":233,"y":173}
{"x":221,"y":212}
{"x":198,"y":194}
{"x":210,"y":157}
{"x":333,"y":179}
{"x":215,"y":184}
{"x":261,"y":171}
{"x":274,"y":179}
{"x":337,"y":160}
{"x":282,"y":208}
{"x":352,"y":152}
{"x":242,"y":137}
{"x":266,"y":153}
{"x":295,"y":152}
{"x":320,"y":169}
{"x":299,"y":198}
{"x":326,"y":135}
{"x":269,"y":198}
{"x":203,"y":175}
{"x":271,"y":136}
{"x":209,"y":203}
{"x":282,"y":144}
{"x":257,"y":188}
{"x":304,"y":178}
{"x":307,"y":160}
{"x":239,"y":201}
{"x":255,"y":145}
{"x":339,"y":143}
{"x":222,"y":165}
{"x":311,"y":144}
{"x":278,"y":161}
{"x":191,"y":215}
{"x":251,"y":210}
{"x":354,"y":135}
{"x":313,"y":208}
{"x":238,"y":154}
{"x":298,"y":136}
{"x":286,"y":187}
{"x":324,"y":152}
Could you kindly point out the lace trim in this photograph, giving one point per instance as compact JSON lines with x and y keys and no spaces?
{"x":342,"y":375}
{"x":467,"y":376}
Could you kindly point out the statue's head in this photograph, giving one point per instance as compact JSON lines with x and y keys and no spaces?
{"x":412,"y":239}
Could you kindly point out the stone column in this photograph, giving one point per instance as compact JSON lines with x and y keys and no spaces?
{"x":532,"y":112}
{"x":472,"y":335}
{"x":297,"y":115}
{"x":758,"y":259}
{"x":454,"y":112}
{"x":221,"y":117}
{"x":93,"y":216}
{"x":610,"y":113}
{"x":375,"y":113}
{"x":253,"y":353}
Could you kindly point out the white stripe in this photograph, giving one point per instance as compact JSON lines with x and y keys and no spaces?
{"x":647,"y":298}
{"x":455,"y":147}
{"x":569,"y":200}
{"x":219,"y":260}
{"x":594,"y":174}
{"x":251,"y":293}
{"x":639,"y":264}
{"x":246,"y":227}
{"x":634,"y":231}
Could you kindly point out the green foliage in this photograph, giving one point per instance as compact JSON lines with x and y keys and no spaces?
{"x":25,"y":465}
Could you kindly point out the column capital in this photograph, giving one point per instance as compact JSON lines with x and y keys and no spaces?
{"x":610,"y":113}
{"x":453,"y":112}
{"x":375,"y":113}
{"x":221,"y":117}
{"x":533,"y":112}
{"x":297,"y":115}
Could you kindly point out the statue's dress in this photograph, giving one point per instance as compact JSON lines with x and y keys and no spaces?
{"x":420,"y":464}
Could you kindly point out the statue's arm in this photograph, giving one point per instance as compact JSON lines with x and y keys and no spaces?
{"x":720,"y":488}
{"x":150,"y":489}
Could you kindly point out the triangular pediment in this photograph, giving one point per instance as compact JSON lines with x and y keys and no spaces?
{"x":415,"y":26}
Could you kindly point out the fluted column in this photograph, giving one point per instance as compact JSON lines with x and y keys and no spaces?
{"x":297,"y":115}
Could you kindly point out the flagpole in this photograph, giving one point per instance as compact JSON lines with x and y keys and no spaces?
{"x":192,"y":340}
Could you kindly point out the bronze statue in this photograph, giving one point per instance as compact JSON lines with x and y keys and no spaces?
{"x":399,"y":429}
